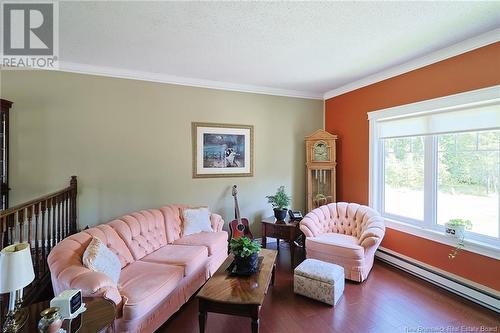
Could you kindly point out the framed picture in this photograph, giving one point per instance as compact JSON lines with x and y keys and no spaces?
{"x":222,"y":150}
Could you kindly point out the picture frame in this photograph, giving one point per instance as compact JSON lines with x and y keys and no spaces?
{"x":222,"y":150}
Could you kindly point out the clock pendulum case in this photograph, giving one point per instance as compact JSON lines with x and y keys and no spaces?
{"x":320,"y":165}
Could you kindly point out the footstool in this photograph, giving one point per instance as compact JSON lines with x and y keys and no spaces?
{"x":319,"y":280}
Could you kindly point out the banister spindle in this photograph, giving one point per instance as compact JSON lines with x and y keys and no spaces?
{"x":74,"y":191}
{"x":49,"y":225}
{"x":29,"y":216}
{"x":59,"y":219}
{"x":54,"y":221}
{"x":20,"y":220}
{"x":37,"y":260}
{"x":3,"y":232}
{"x":11,"y":225}
{"x":44,"y":234}
{"x":66,"y":217}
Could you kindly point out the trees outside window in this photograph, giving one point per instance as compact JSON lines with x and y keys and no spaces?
{"x":458,"y":173}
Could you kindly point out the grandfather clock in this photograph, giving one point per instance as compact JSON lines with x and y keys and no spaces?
{"x":320,"y":163}
{"x":5,"y":106}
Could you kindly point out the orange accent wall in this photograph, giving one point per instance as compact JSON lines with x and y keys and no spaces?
{"x":346,"y":116}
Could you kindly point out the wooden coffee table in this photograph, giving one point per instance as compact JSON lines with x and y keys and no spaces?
{"x":98,"y":317}
{"x":237,"y":295}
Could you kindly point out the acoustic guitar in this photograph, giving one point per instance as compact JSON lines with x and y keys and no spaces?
{"x":239,"y":227}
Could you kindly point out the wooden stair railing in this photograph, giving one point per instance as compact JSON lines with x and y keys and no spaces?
{"x":42,"y":222}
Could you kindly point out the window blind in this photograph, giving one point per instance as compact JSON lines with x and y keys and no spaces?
{"x":476,"y":118}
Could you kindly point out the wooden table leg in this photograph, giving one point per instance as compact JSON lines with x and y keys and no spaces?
{"x":292,"y":254}
{"x":278,"y":244}
{"x":264,"y":238}
{"x":255,"y":325}
{"x":202,"y":316}
{"x":273,"y":274}
{"x":255,"y":319}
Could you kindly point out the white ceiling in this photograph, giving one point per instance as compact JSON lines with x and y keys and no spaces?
{"x":295,"y":48}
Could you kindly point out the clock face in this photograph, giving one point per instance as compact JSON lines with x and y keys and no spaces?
{"x":320,"y":152}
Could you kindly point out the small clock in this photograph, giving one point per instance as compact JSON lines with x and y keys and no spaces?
{"x":69,"y":303}
{"x":320,"y":151}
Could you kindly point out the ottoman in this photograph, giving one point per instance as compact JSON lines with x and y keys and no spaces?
{"x":319,"y":280}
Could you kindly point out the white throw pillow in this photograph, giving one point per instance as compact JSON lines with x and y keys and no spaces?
{"x":99,"y":258}
{"x":196,"y":220}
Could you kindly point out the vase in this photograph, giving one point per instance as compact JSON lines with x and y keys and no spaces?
{"x":51,"y":321}
{"x":280,"y":214}
{"x":456,"y":231}
{"x":246,"y":265}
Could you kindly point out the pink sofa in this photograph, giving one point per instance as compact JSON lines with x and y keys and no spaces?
{"x":346,"y":234}
{"x":161,"y":269}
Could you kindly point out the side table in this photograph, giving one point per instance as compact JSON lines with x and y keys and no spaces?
{"x":287,"y":230}
{"x":98,"y":317}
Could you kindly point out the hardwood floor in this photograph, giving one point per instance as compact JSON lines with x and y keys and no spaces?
{"x":388,"y":301}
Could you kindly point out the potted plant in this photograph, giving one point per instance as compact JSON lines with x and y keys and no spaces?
{"x":245,"y":253}
{"x":280,"y":202}
{"x":456,"y":228}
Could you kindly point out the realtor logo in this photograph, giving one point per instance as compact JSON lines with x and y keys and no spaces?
{"x":29,"y":36}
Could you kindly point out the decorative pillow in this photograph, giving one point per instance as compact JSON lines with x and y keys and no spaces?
{"x":196,"y":220}
{"x":99,"y":258}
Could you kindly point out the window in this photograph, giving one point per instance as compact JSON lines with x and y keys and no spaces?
{"x":438,"y":160}
{"x":404,"y":177}
{"x":467,"y":181}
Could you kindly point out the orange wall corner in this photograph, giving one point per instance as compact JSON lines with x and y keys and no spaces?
{"x":346,"y":116}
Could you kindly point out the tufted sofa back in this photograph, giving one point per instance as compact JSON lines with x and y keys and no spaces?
{"x":344,"y":218}
{"x":130,"y":237}
{"x":114,"y":242}
{"x":143,"y":231}
{"x":173,"y":222}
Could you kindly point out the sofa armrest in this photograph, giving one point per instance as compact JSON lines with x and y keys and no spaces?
{"x":305,"y":230}
{"x":373,"y":232}
{"x":92,"y":284}
{"x":95,"y":284}
{"x":216,"y":221}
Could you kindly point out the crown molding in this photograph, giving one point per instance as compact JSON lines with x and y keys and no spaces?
{"x":467,"y":45}
{"x":121,"y":73}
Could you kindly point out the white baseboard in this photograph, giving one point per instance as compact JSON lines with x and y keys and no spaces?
{"x":482,"y":295}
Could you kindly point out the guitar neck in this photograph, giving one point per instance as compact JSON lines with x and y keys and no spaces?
{"x":237,"y":210}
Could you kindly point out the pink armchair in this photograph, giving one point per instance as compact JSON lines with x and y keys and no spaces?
{"x":346,"y":234}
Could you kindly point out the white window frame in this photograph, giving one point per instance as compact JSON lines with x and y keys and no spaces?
{"x":428,"y":228}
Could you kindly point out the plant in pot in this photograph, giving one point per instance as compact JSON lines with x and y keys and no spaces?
{"x":456,"y":228}
{"x":280,"y":202}
{"x":245,"y":253}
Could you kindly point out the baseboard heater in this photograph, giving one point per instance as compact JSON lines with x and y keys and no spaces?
{"x":468,"y":291}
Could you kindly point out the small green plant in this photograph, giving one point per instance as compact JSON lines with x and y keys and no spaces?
{"x":244,"y":247}
{"x":467,"y":225}
{"x":280,"y":200}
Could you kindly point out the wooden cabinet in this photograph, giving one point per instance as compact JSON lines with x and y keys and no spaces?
{"x":321,"y":168}
{"x":4,"y":153}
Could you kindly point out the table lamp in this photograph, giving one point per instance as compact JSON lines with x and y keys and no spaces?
{"x":16,"y":272}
